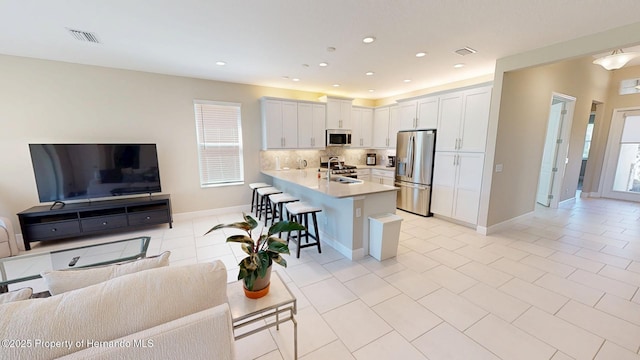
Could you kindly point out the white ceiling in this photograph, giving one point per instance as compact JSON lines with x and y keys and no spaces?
{"x":263,"y":41}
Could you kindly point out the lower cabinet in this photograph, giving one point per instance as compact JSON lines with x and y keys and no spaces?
{"x":384,"y":177}
{"x":364,"y":174}
{"x":41,"y":223}
{"x":457,"y":181}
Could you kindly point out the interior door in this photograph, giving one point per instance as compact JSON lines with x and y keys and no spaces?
{"x":622,"y":177}
{"x":550,"y":154}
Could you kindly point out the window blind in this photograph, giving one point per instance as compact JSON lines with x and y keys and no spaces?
{"x":219,"y":131}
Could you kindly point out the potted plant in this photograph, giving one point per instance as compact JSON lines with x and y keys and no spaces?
{"x":255,"y":269}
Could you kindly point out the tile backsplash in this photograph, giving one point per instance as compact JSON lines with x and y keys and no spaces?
{"x":289,"y":158}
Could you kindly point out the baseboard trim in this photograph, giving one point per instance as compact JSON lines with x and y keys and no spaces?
{"x":355,"y":254}
{"x":210,"y":212}
{"x":502,"y":225}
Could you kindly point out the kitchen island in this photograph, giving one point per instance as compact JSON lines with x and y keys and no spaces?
{"x":344,"y":220}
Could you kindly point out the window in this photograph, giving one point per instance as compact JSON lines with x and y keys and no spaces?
{"x":629,"y":86}
{"x":219,"y":131}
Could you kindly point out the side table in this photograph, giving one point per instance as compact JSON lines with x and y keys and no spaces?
{"x":279,"y":303}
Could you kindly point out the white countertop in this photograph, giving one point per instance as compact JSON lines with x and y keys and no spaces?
{"x":309,"y":179}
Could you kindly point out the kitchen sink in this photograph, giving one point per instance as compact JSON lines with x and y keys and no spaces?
{"x":346,"y":180}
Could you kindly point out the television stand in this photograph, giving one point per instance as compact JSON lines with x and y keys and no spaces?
{"x":44,"y":223}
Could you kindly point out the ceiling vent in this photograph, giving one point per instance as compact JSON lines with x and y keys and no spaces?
{"x":465,"y":51}
{"x":84,"y":36}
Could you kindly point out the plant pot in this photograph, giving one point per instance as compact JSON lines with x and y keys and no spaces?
{"x":260,"y":286}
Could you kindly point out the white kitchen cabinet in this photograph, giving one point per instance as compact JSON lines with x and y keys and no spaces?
{"x":421,"y":113}
{"x":279,"y":124}
{"x":463,"y":120}
{"x":338,"y":112}
{"x":384,"y":177}
{"x":364,"y":174}
{"x":311,"y":125}
{"x":394,"y":127}
{"x":362,"y":127}
{"x":385,"y":127}
{"x":457,"y":181}
{"x":381,"y":127}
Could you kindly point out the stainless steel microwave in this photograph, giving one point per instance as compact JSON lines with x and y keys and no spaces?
{"x":338,"y":137}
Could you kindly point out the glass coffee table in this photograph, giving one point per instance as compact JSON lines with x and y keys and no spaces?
{"x":21,"y":268}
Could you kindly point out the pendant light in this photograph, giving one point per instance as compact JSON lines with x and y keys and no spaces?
{"x":616,"y":60}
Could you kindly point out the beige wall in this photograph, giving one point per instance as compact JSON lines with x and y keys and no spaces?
{"x":53,"y":102}
{"x":524,"y":111}
{"x":508,"y":195}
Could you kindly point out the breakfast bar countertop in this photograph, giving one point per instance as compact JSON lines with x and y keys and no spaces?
{"x":309,"y":178}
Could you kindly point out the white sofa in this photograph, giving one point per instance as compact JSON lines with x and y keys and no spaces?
{"x":8,"y":244}
{"x":175,"y":312}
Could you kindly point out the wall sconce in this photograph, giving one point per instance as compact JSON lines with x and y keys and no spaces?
{"x":616,"y":60}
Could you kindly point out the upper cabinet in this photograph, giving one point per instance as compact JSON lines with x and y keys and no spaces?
{"x":463,"y":120}
{"x":362,"y":127}
{"x":385,"y":127}
{"x":338,"y":112}
{"x":279,"y":124}
{"x":421,"y":113}
{"x":311,"y":119}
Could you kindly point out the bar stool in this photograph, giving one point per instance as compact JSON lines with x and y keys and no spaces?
{"x":277,"y":200}
{"x":254,"y":195}
{"x":300,"y":212}
{"x":265,"y":204}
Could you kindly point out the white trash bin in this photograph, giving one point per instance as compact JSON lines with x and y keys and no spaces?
{"x":384,"y":235}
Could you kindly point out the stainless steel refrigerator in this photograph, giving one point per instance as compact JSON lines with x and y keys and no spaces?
{"x":414,"y":170}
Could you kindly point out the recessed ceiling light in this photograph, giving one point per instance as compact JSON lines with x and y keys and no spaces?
{"x":221,"y":63}
{"x":295,"y":79}
{"x":285,"y":77}
{"x":323,"y":64}
{"x":421,"y":54}
{"x":371,"y":90}
{"x":368,"y":39}
{"x":369,"y":73}
{"x":331,"y":49}
{"x":458,"y":66}
{"x":407,"y":80}
{"x":305,"y":65}
{"x":336,"y":85}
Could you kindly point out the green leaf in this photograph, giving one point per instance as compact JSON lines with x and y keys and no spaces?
{"x":243,"y":239}
{"x":247,"y":248}
{"x":237,"y":225}
{"x":243,"y":273}
{"x":249,"y":264}
{"x":264,"y":262}
{"x":249,"y":220}
{"x":249,"y":280}
{"x":278,"y":259}
{"x":285,"y":226}
{"x":278,"y":245}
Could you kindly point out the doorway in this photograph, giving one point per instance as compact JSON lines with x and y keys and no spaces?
{"x":587,"y":144}
{"x":622,"y":171}
{"x":556,"y":148}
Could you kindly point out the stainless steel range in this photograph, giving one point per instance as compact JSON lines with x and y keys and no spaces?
{"x":338,"y":167}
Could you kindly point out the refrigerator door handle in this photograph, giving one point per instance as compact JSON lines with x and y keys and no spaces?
{"x":413,"y":186}
{"x":411,"y":155}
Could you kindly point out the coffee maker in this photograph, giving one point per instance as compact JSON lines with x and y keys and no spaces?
{"x":371,"y":159}
{"x":391,"y":161}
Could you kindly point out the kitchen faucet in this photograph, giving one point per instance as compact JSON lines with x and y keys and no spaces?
{"x":329,"y":166}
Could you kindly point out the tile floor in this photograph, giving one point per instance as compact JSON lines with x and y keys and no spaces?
{"x":560,"y":284}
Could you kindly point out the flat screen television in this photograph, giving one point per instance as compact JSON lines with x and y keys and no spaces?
{"x":66,"y":172}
